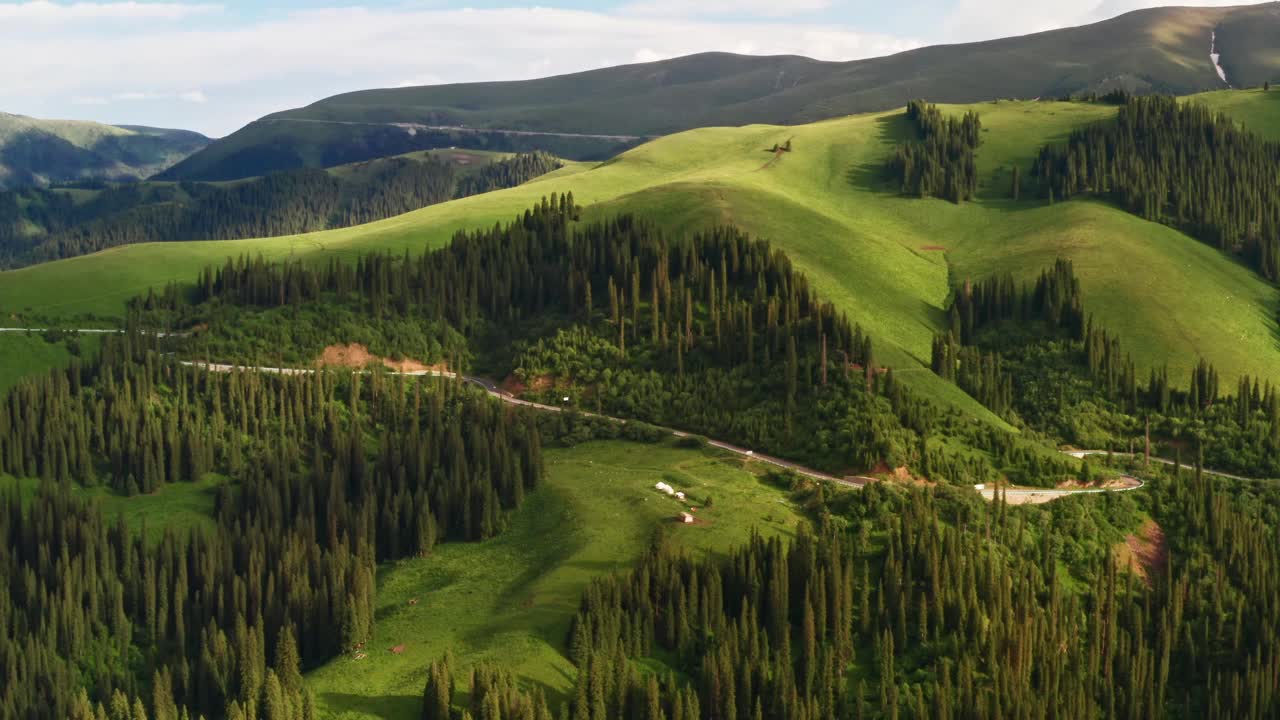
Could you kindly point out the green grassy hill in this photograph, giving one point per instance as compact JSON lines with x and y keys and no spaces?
{"x":889,"y":261}
{"x":1257,"y":110}
{"x":1158,"y":50}
{"x":43,"y":152}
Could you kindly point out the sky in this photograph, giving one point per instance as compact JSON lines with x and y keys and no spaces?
{"x":215,"y":65}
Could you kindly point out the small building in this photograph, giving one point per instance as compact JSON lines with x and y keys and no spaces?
{"x":980,"y":486}
{"x":686,"y":518}
{"x":679,"y":495}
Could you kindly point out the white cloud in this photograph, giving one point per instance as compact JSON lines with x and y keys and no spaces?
{"x":1111,"y":8}
{"x":726,"y":8}
{"x":44,"y":11}
{"x":970,"y":20}
{"x":191,"y":96}
{"x":254,"y":69}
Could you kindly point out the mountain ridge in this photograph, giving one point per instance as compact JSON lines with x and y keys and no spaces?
{"x":41,"y":152}
{"x":1163,"y":50}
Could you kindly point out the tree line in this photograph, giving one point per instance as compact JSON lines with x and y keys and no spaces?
{"x":37,"y":225}
{"x":1180,"y":164}
{"x":941,"y":162}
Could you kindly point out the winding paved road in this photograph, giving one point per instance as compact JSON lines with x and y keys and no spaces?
{"x":492,"y":389}
{"x":1017,"y":495}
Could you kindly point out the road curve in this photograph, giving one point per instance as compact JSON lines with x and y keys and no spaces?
{"x":1031,"y":496}
{"x":1162,"y":461}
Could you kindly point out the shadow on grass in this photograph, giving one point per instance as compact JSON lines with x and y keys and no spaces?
{"x":890,"y":131}
{"x":389,"y":707}
{"x":994,"y":189}
{"x":1272,"y":317}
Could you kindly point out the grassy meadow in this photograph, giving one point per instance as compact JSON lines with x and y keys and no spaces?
{"x":23,"y":354}
{"x":177,"y":506}
{"x":511,"y":599}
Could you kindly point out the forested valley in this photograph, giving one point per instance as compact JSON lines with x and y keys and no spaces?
{"x":38,"y":225}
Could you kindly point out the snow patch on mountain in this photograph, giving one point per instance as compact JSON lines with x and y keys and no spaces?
{"x":1216,"y":57}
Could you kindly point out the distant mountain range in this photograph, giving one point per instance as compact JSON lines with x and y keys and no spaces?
{"x":595,"y":114}
{"x":36,"y":152}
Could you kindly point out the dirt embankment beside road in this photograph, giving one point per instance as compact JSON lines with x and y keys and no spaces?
{"x":355,"y":355}
{"x":1119,"y":483}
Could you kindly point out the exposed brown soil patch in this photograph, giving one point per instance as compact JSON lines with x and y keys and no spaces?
{"x":516,"y":387}
{"x":934,"y":248}
{"x":1143,"y":553}
{"x":355,"y":355}
{"x":901,"y":475}
{"x":1112,"y":484}
{"x":904,"y":475}
{"x":777,"y":155}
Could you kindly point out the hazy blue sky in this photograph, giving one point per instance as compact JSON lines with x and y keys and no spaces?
{"x":214,"y":66}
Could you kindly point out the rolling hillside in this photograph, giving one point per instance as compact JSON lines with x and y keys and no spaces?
{"x":888,"y":261}
{"x":1160,"y":50}
{"x":43,"y":152}
{"x":41,"y":224}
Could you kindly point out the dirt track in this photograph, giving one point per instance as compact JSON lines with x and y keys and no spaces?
{"x":413,"y":127}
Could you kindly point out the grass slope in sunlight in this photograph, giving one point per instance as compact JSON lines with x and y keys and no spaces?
{"x":23,"y":354}
{"x":178,"y":506}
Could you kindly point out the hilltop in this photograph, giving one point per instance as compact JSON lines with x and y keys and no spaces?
{"x":593,"y":115}
{"x":44,"y":152}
